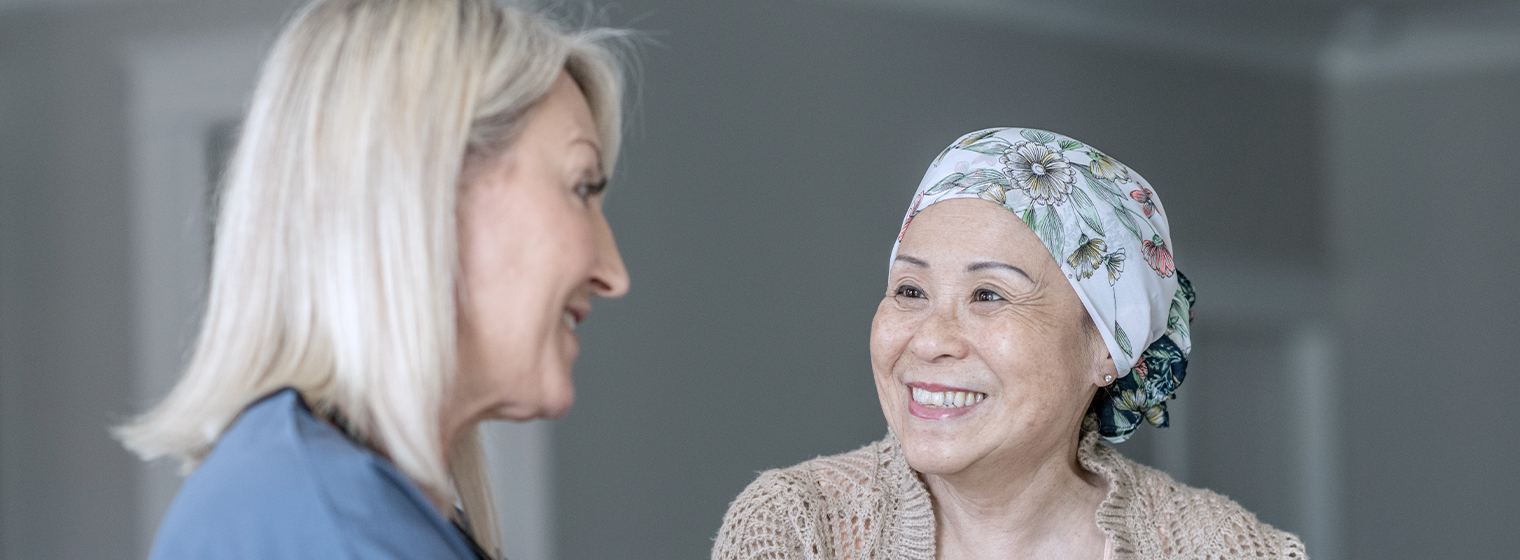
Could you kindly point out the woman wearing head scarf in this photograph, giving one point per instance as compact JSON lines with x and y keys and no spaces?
{"x":1032,"y":311}
{"x":410,"y":232}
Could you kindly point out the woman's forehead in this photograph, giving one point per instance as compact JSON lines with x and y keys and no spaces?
{"x":968,"y":230}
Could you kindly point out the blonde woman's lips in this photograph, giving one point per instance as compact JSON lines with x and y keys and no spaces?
{"x":932,"y":401}
{"x":572,"y":316}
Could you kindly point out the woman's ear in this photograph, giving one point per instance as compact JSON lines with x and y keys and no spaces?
{"x":1105,"y":372}
{"x":1103,"y":362}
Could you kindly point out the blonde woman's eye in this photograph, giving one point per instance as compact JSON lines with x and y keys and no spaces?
{"x":986,"y":295}
{"x":909,"y":291}
{"x":586,"y":190}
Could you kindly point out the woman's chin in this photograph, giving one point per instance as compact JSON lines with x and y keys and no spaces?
{"x":935,"y":456}
{"x":550,"y":403}
{"x":559,"y":394}
{"x":557,"y":410}
{"x":934,"y":447}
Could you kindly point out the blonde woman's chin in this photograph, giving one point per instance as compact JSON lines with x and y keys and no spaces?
{"x":550,"y":400}
{"x":557,"y":402}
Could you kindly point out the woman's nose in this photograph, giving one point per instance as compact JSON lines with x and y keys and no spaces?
{"x":940,"y":336}
{"x":609,"y":279}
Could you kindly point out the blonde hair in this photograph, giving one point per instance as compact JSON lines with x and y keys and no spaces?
{"x":335,"y":262}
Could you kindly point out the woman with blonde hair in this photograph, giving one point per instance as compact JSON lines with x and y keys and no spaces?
{"x":410,"y":231}
{"x":1032,"y":311}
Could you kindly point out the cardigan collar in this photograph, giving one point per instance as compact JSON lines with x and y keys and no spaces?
{"x":916,"y":509}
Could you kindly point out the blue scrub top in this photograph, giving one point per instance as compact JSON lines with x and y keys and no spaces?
{"x":282,"y":484}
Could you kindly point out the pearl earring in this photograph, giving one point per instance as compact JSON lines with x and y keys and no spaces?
{"x":1108,"y":379}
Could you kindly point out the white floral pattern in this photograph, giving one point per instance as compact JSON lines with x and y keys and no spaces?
{"x":1041,"y":172}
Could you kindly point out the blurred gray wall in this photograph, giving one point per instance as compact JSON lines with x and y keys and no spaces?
{"x":1422,"y":123}
{"x":1337,"y":195}
{"x":67,"y":326}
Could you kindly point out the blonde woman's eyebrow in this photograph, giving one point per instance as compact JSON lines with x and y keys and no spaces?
{"x":993,"y":265}
{"x":595,"y":146}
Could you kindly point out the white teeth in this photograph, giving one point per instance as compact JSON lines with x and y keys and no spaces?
{"x":947,"y":399}
{"x":569,"y":320}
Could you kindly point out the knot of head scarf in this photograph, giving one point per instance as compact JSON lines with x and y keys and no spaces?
{"x":1107,"y":230}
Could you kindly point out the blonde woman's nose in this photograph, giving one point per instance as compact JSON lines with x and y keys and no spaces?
{"x":610,"y":277}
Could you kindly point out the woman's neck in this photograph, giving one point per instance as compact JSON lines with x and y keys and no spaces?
{"x":334,"y":417}
{"x":1041,"y":505}
{"x":457,"y":421}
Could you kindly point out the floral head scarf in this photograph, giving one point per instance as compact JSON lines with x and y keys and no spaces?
{"x":1095,"y":216}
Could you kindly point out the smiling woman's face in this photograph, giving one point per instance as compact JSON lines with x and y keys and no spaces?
{"x":533,"y":248}
{"x":983,"y":353}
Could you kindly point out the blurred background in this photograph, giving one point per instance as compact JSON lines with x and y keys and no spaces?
{"x":1338,"y":175}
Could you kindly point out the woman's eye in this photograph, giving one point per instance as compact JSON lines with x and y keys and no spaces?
{"x":910,"y":291}
{"x":586,"y":190}
{"x":985,"y":295}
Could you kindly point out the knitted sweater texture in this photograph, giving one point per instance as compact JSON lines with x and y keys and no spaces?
{"x":869,"y":504}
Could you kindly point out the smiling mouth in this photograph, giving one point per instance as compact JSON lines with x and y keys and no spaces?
{"x":946,"y":399}
{"x":572,"y":315}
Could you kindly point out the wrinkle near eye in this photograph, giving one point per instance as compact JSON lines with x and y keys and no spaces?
{"x":1026,"y":304}
{"x":1034,"y":309}
{"x":1007,"y":287}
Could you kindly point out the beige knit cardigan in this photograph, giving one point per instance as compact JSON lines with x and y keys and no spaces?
{"x":869,"y":504}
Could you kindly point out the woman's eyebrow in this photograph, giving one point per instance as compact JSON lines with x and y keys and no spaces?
{"x":984,"y":265}
{"x":912,"y":261}
{"x":595,"y":147}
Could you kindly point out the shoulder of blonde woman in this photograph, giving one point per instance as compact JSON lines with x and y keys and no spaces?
{"x":869,"y":503}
